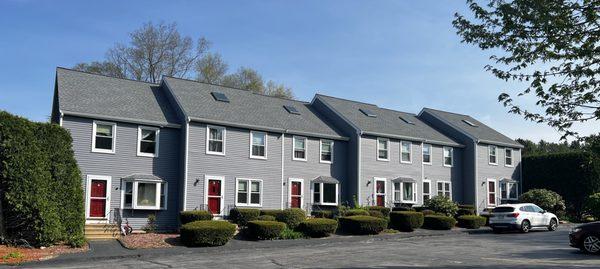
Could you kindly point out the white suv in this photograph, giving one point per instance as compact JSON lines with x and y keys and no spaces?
{"x":523,"y":217}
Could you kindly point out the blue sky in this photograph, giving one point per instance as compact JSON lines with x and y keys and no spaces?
{"x":402,"y":55}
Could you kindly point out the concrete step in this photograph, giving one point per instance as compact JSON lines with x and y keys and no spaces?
{"x":101,"y":231}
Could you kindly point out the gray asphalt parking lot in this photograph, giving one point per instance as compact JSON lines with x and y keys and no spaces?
{"x":538,"y":249}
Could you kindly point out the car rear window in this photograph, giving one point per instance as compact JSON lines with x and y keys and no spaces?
{"x":503,"y":209}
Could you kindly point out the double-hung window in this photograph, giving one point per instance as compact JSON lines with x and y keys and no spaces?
{"x":104,"y":139}
{"x":448,"y":156}
{"x":215,"y":140}
{"x":405,"y":152}
{"x":508,"y":190}
{"x":299,"y":148}
{"x":383,"y":149}
{"x":249,"y":192}
{"x":325,"y":193}
{"x":508,"y":157}
{"x":426,"y":153}
{"x":444,"y":188}
{"x":405,"y":192}
{"x":258,"y":145}
{"x":326,"y":149}
{"x":144,"y":194}
{"x":148,"y":141}
{"x":426,"y":190}
{"x":492,"y":155}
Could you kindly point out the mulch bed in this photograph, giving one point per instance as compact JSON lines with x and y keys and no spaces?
{"x":16,"y":255}
{"x":150,"y":240}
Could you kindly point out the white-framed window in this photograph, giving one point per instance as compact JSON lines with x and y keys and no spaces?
{"x":104,"y":137}
{"x":426,"y":190}
{"x":258,"y":145}
{"x":492,"y":159}
{"x":326,"y":151}
{"x":299,"y":148}
{"x":509,"y":190}
{"x":508,"y":153}
{"x":148,"y":140}
{"x":405,"y":192}
{"x":448,"y":153}
{"x":215,"y":140}
{"x":444,"y":188}
{"x":144,"y":194}
{"x":248,"y":192}
{"x":406,"y":152}
{"x":491,"y":191}
{"x":325,"y":193}
{"x":427,"y":153}
{"x":383,"y":148}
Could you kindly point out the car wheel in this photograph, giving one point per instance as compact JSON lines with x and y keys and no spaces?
{"x":553,"y":225}
{"x":591,"y":244}
{"x":525,"y":226}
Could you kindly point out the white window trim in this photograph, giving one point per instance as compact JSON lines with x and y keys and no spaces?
{"x":321,"y":151}
{"x":385,"y":190}
{"x":208,"y":127}
{"x":135,"y":183}
{"x":430,"y":154}
{"x":219,"y":178}
{"x":294,"y":148}
{"x":88,"y":193}
{"x":114,"y":137}
{"x":387,"y":142}
{"x":490,"y":154}
{"x":487,"y":188}
{"x":139,"y":141}
{"x":251,"y":141}
{"x":322,"y":194}
{"x":301,"y":191}
{"x":249,"y":203}
{"x":444,"y":190}
{"x":451,"y":156}
{"x":409,"y":152}
{"x":414,"y":201}
{"x":511,"y":157}
{"x":429,"y":193}
{"x":507,"y":190}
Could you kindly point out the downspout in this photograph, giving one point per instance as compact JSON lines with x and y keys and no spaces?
{"x":60,"y":119}
{"x":423,"y":171}
{"x":475,"y":179}
{"x":185,"y":167}
{"x":282,"y":167}
{"x":358,"y":164}
{"x":520,"y":174}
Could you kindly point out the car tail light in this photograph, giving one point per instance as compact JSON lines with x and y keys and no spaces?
{"x":513,"y":215}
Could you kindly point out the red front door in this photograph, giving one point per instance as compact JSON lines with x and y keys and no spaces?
{"x":296,"y":194}
{"x":214,"y":196}
{"x":380,"y":192}
{"x":98,"y":198}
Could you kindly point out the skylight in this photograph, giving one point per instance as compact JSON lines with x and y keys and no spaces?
{"x":219,"y":96}
{"x":406,"y":120}
{"x":291,"y":109}
{"x":368,"y":112}
{"x":470,"y":123}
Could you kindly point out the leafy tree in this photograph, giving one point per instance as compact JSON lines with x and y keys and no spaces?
{"x":279,"y":90}
{"x":551,"y":46}
{"x":211,"y":68}
{"x":104,"y":68}
{"x":245,"y":78}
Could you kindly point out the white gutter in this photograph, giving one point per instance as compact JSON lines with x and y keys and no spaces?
{"x":127,"y":120}
{"x":282,"y":167}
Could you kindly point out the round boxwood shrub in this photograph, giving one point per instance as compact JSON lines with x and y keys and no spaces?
{"x":384,"y":210}
{"x":362,"y":224}
{"x":266,"y":217}
{"x":241,"y":216}
{"x":264,"y":229}
{"x":402,"y":208}
{"x":442,"y":204}
{"x":546,"y":199}
{"x":194,"y":215}
{"x":406,"y":221}
{"x":465,"y":210}
{"x":206,"y":233}
{"x":427,"y":212}
{"x":355,"y":212}
{"x":592,"y":205}
{"x":291,"y":217}
{"x":319,"y":227}
{"x":328,"y":214}
{"x":376,"y":213}
{"x":270,"y":212}
{"x":471,"y":221}
{"x":438,"y":222}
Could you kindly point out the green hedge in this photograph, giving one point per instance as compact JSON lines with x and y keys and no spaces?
{"x":443,"y":205}
{"x":465,"y":210}
{"x":328,"y":214}
{"x":194,"y":215}
{"x":206,"y":233}
{"x":362,"y":224}
{"x":438,"y":222}
{"x":376,"y":213}
{"x":546,"y":199}
{"x":573,"y":175}
{"x":291,"y":217}
{"x":406,"y":221}
{"x":403,"y":208}
{"x":270,"y":212}
{"x":592,"y":205}
{"x":265,"y":230}
{"x":241,"y":216}
{"x":471,"y":221}
{"x":319,"y":227}
{"x":384,"y":210}
{"x":42,"y":199}
{"x":355,"y":212}
{"x":266,"y":217}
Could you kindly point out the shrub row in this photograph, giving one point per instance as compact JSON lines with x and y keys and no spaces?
{"x":406,"y":221}
{"x":194,"y":215}
{"x":206,"y":233}
{"x":361,"y":224}
{"x":471,"y":221}
{"x":438,"y":222}
{"x":292,"y":217}
{"x":319,"y":227}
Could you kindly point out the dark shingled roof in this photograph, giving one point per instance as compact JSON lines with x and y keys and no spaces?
{"x":247,"y":109}
{"x":97,"y":95}
{"x":480,"y":132}
{"x":387,"y":122}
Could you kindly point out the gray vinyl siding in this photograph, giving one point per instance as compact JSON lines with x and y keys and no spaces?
{"x":235,"y":164}
{"x":436,"y":171}
{"x":496,"y":172}
{"x":125,"y":162}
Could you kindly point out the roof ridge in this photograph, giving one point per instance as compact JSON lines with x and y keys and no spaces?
{"x":344,"y":99}
{"x":102,"y":75}
{"x":428,"y":108}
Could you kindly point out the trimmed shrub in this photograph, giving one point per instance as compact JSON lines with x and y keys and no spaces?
{"x":438,"y":222}
{"x":546,"y":199}
{"x":320,"y":227}
{"x":194,"y":215}
{"x":266,"y":217}
{"x":384,"y":210}
{"x":465,"y":210}
{"x":265,"y":230}
{"x":471,"y":221}
{"x":355,"y":212}
{"x":328,"y":214}
{"x":419,"y":208}
{"x":406,"y":221}
{"x":291,"y":217}
{"x":241,"y":216}
{"x":376,"y":213}
{"x":427,"y":212}
{"x":288,"y":233}
{"x":362,"y":224}
{"x":592,"y":205}
{"x":442,"y":204}
{"x":270,"y":212}
{"x":402,"y":208}
{"x":206,"y":233}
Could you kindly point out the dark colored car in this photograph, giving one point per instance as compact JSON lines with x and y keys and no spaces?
{"x":586,"y":237}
